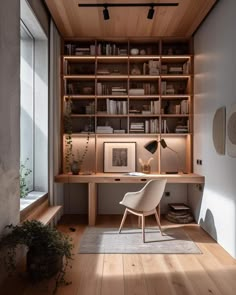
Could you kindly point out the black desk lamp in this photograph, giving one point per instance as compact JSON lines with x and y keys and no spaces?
{"x":152,"y":147}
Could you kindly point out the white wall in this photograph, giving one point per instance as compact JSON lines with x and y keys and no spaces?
{"x":215,"y":80}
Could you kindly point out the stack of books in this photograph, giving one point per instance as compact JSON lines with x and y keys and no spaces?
{"x":119,"y":131}
{"x":179,"y":213}
{"x":137,"y":127}
{"x":181,"y":129}
{"x":104,"y":129}
{"x":82,"y":51}
{"x":118,"y":90}
{"x":136,"y":91}
{"x":176,"y":70}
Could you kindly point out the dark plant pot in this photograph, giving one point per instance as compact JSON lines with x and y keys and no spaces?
{"x":43,"y":265}
{"x":75,"y":167}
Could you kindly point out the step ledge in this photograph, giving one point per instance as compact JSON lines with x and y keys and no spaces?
{"x":46,"y":216}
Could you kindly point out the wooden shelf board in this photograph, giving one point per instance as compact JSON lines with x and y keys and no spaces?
{"x":112,"y":57}
{"x":143,"y":115}
{"x":111,"y":77}
{"x":109,"y":96}
{"x":144,"y":96}
{"x":82,"y":115}
{"x":143,"y":57}
{"x":144,"y":77}
{"x":79,"y":58}
{"x":174,"y":115}
{"x":175,"y":96}
{"x":77,"y":97}
{"x":79,"y":77}
{"x":179,"y":76}
{"x":112,"y":115}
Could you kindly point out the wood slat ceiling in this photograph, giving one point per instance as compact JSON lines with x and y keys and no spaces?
{"x":180,"y":21}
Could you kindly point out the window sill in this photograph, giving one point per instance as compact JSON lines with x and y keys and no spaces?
{"x":30,"y":203}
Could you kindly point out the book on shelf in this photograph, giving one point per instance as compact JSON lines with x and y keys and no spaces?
{"x":155,"y":107}
{"x":178,"y":206}
{"x":146,"y":112}
{"x":119,"y":131}
{"x":186,"y":67}
{"x":181,"y":129}
{"x":99,"y":88}
{"x":116,"y":106}
{"x":104,"y":129}
{"x":136,"y":91}
{"x":151,"y":126}
{"x":184,"y":107}
{"x":163,"y":87}
{"x":175,"y":70}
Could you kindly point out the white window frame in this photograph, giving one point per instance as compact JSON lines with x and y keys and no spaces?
{"x":40,"y":138}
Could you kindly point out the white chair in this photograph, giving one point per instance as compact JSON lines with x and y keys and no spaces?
{"x":144,"y":202}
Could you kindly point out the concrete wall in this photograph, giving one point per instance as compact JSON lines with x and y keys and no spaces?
{"x":9,"y":114}
{"x":10,"y":111}
{"x":215,"y":72}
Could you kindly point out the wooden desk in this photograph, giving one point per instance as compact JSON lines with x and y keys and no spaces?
{"x":97,"y":178}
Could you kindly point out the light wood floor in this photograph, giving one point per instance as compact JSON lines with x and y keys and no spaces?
{"x":213,"y":272}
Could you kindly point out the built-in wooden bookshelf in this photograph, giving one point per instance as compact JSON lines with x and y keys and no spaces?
{"x":118,"y":89}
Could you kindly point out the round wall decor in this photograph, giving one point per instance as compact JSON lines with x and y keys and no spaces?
{"x":231,"y":132}
{"x":218,"y":132}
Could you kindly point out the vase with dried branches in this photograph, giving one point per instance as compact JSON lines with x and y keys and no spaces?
{"x":73,"y":160}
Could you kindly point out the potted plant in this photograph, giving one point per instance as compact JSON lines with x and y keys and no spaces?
{"x":49,"y":251}
{"x":24,"y":173}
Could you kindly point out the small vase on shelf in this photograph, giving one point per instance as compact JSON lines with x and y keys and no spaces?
{"x":75,"y":167}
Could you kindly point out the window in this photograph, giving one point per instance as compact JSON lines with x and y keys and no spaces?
{"x":27,"y":105}
{"x":34,"y":104}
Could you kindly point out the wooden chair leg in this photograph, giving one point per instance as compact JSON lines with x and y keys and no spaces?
{"x":143,"y":228}
{"x":158,"y":221}
{"x":123,"y":220}
{"x":139,"y":221}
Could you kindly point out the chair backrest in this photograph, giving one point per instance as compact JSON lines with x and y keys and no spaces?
{"x":150,"y":195}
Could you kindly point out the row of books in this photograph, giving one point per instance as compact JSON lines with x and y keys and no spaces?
{"x":148,"y":126}
{"x":74,"y":49}
{"x":110,"y":49}
{"x":109,"y":130}
{"x":103,"y":89}
{"x":154,"y":108}
{"x":151,"y":126}
{"x":181,"y":129}
{"x":116,"y":106}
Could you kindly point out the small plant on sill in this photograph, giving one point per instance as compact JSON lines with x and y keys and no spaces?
{"x":24,"y":173}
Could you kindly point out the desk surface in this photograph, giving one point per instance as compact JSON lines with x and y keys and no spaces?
{"x":125,"y":178}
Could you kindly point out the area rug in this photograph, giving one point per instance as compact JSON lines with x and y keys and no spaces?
{"x":107,"y":240}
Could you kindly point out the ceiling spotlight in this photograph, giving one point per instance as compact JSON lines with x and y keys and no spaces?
{"x":105,"y":13}
{"x":150,"y":13}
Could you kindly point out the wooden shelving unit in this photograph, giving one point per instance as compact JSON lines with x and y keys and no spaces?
{"x":108,"y":86}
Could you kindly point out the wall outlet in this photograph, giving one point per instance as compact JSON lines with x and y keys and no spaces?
{"x":167,"y":194}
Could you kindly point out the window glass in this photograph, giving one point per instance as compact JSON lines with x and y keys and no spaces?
{"x":27,"y":107}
